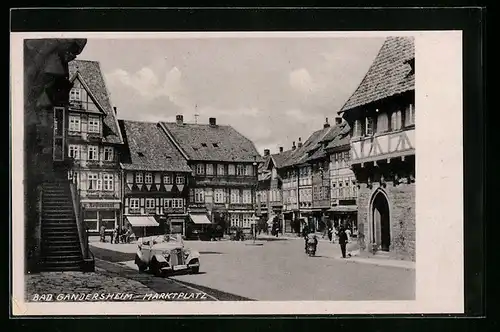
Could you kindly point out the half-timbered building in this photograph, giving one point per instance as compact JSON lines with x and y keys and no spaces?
{"x":224,"y":172}
{"x":155,"y":177}
{"x":381,"y":113}
{"x":92,"y":139}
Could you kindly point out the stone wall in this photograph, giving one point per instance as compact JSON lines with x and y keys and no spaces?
{"x":402,"y":218}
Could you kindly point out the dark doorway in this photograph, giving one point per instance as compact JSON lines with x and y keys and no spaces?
{"x":381,"y":227}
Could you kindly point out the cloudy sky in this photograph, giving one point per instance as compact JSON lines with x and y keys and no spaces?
{"x":273,"y":90}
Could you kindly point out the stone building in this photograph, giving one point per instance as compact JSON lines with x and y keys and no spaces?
{"x":155,"y":174}
{"x":381,"y":113}
{"x":223,"y":162}
{"x":93,"y":139}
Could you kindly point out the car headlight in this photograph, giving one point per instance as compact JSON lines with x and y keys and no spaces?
{"x":166,"y":254}
{"x":186,"y":253}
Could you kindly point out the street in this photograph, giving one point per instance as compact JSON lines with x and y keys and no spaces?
{"x":275,"y":270}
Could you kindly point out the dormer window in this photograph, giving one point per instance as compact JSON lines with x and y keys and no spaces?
{"x":215,"y":145}
{"x":140,"y":154}
{"x":411,"y":62}
{"x":204,"y":145}
{"x":94,"y":124}
{"x":75,"y":94}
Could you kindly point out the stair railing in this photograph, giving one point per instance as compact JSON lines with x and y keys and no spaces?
{"x":38,"y":226}
{"x":82,"y":231}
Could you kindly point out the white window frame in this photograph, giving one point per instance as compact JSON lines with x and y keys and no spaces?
{"x":139,"y":178}
{"x":150,"y":203}
{"x":167,"y":179}
{"x":410,"y":115}
{"x":231,"y":169}
{"x":220,"y":170}
{"x":95,"y":152}
{"x":108,"y":153}
{"x":219,"y":196}
{"x":240,"y":170}
{"x":247,"y":196}
{"x":369,"y":126}
{"x":396,"y":121}
{"x":94,"y":124}
{"x":235,"y":196}
{"x":382,"y":123}
{"x":75,"y":122}
{"x":75,"y":94}
{"x":94,"y":182}
{"x":179,"y":179}
{"x":74,"y":151}
{"x":235,"y":219}
{"x":200,"y":169}
{"x":199,"y":195}
{"x":109,"y":182}
{"x":133,"y":205}
{"x":148,"y":178}
{"x":358,"y":129}
{"x":168,"y":203}
{"x":210,"y":169}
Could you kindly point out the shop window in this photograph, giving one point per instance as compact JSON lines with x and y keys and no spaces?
{"x":91,"y":220}
{"x":108,"y":219}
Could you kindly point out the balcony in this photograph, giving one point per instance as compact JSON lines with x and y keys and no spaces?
{"x":383,"y":146}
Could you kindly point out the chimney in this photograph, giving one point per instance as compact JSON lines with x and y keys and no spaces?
{"x":212,"y":121}
{"x":266,"y":152}
{"x":179,"y":119}
{"x":281,"y":149}
{"x":114,"y":109}
{"x":299,"y":145}
{"x":326,"y":125}
{"x":338,"y":120}
{"x":293,"y":145}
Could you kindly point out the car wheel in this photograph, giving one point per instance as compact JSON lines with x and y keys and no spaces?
{"x":155,"y":268}
{"x":195,"y":270}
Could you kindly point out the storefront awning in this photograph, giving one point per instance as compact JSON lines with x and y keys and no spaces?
{"x":344,"y":208}
{"x":143,"y":221}
{"x":200,"y":219}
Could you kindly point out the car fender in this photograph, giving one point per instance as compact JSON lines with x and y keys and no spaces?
{"x":192,"y":255}
{"x":139,"y":254}
{"x":160,"y":258}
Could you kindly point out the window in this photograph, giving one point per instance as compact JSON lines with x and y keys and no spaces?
{"x":199,"y":196}
{"x":179,"y":179}
{"x":247,"y":196}
{"x":247,"y":220}
{"x":177,"y":203}
{"x":219,"y":196}
{"x":235,"y":196}
{"x":220,"y":170}
{"x":150,"y":203}
{"x":93,"y":152}
{"x":75,"y":94}
{"x":139,"y":178}
{"x":231,"y":169}
{"x":167,"y":179}
{"x":240,"y":170}
{"x":396,"y":120}
{"x":94,"y":182}
{"x":200,"y":169}
{"x":409,"y":115}
{"x":148,"y":179}
{"x":74,"y":151}
{"x":91,"y":219}
{"x":167,"y":203}
{"x":108,"y":182}
{"x":382,"y":123}
{"x":108,"y":153}
{"x":93,"y":124}
{"x":357,"y":130}
{"x":210,"y":169}
{"x":74,"y":123}
{"x":235,"y":219}
{"x":369,"y":126}
{"x":249,"y":170}
{"x":134,"y":205}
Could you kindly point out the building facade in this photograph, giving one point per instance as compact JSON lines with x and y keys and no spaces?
{"x":381,"y":113}
{"x":93,"y":138}
{"x":224,"y":166}
{"x":155,"y":177}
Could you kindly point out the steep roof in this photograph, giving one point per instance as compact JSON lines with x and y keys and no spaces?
{"x":342,"y":139}
{"x":149,"y":149}
{"x":91,"y":73}
{"x":389,"y":74}
{"x":212,"y":143}
{"x":280,"y":158}
{"x":301,"y":155}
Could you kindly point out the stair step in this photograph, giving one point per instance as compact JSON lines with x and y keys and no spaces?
{"x":63,"y":263}
{"x":71,"y":252}
{"x":62,"y":268}
{"x":58,"y":227}
{"x":62,"y":258}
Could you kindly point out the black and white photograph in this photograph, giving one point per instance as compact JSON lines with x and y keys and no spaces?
{"x":218,"y":168}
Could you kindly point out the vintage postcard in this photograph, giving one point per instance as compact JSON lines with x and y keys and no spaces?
{"x":200,"y":173}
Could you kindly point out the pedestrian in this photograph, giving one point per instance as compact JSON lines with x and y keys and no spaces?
{"x":114,"y":238}
{"x":102,"y":233}
{"x":342,"y":241}
{"x":330,"y":234}
{"x":348,"y":233}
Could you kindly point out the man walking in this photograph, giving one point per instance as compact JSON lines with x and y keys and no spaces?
{"x":342,"y":241}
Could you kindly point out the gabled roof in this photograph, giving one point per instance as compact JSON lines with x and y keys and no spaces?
{"x":212,"y":143}
{"x":91,"y":74}
{"x":338,"y":133}
{"x":149,"y":149}
{"x":301,"y":155}
{"x":342,"y":139}
{"x":390,"y":73}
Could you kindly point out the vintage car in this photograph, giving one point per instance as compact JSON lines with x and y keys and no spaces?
{"x":163,"y":254}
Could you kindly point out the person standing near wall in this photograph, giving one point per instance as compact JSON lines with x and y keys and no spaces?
{"x":342,"y":241}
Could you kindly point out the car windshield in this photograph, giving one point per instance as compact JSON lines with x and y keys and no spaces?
{"x":166,"y":238}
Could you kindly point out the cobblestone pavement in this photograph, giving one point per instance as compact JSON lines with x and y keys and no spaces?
{"x":72,"y":286}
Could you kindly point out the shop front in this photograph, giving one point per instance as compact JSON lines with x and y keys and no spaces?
{"x":143,"y":226}
{"x":98,"y":213}
{"x":345,"y":216}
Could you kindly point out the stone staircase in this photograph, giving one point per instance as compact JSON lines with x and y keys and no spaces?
{"x":60,"y":247}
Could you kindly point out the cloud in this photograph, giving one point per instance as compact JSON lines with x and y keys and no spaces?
{"x":301,"y":81}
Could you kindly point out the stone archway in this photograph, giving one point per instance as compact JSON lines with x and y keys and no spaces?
{"x":380,"y":221}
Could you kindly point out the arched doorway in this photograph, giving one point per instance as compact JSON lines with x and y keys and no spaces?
{"x":381,"y":225}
